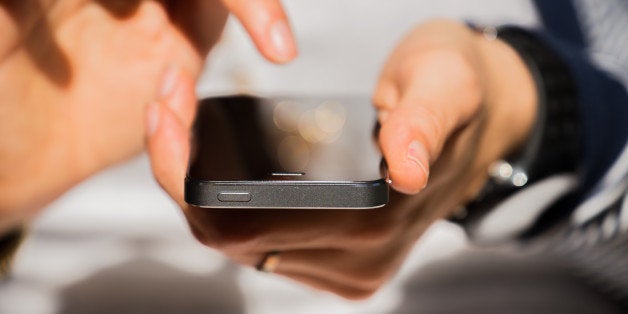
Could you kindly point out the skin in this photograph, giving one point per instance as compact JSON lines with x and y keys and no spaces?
{"x":464,"y":102}
{"x":66,"y":68}
{"x":450,"y":103}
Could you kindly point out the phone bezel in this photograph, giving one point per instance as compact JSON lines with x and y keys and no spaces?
{"x":286,"y":194}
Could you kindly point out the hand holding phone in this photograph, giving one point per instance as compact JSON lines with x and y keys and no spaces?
{"x":350,"y":252}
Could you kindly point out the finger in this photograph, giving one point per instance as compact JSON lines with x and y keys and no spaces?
{"x":385,"y":98}
{"x":403,"y":140}
{"x":330,"y":285}
{"x":167,"y":131}
{"x":178,"y":93}
{"x":363,"y":271}
{"x":267,"y":24}
{"x":439,"y":94}
{"x":344,"y":272}
{"x":245,"y":231}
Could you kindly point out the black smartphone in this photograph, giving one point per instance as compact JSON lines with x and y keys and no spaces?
{"x":252,"y":152}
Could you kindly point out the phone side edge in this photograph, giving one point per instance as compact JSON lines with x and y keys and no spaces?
{"x":286,"y":194}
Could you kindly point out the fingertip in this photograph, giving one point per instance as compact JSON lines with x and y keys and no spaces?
{"x":267,"y":24}
{"x":274,"y":41}
{"x":283,"y":47}
{"x":408,"y":179}
{"x":406,"y":156}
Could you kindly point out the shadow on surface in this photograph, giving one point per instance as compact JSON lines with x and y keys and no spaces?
{"x":147,"y":286}
{"x":488,"y":282}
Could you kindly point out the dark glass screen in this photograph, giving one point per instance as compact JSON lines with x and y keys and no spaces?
{"x":244,"y":138}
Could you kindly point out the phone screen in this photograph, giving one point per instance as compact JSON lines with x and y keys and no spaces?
{"x":244,"y":138}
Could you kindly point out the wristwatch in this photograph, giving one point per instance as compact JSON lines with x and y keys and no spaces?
{"x":555,"y":141}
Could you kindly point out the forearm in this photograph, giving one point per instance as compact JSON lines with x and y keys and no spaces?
{"x":511,"y":94}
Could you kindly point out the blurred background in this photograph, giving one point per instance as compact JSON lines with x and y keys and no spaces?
{"x":118,"y":244}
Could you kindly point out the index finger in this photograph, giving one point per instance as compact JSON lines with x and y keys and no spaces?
{"x":267,"y":24}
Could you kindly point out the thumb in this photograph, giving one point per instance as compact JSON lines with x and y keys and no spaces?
{"x":411,"y":139}
{"x":405,"y":140}
{"x":432,"y":106}
{"x":168,"y":122}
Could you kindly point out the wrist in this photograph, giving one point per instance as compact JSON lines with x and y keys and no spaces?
{"x":511,"y":96}
{"x":552,"y":144}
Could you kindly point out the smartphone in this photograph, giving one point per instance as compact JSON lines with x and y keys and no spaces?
{"x":252,"y":152}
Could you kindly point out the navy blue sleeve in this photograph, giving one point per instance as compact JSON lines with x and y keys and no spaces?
{"x":603,"y":102}
{"x":602,"y":99}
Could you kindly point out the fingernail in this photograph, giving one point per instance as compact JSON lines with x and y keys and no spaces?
{"x":168,"y":82}
{"x":152,"y":118}
{"x":418,"y":154}
{"x":281,"y":37}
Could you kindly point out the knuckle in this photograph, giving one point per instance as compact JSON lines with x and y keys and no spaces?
{"x":459,"y":70}
{"x":200,"y":235}
{"x":448,"y":71}
{"x":378,"y":101}
{"x":374,"y":279}
{"x":152,"y":19}
{"x":385,"y":96}
{"x":454,"y":64}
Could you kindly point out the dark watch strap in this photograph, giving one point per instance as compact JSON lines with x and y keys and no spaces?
{"x":554,"y":144}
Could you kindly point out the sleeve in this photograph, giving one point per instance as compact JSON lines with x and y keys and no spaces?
{"x":603,"y":104}
{"x":574,"y":93}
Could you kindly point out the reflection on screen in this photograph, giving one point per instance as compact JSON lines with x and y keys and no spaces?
{"x":247,"y":138}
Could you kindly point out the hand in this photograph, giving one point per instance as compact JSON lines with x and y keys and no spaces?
{"x":349,"y":252}
{"x":75,"y":76}
{"x":450,"y":103}
{"x":352,"y":253}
